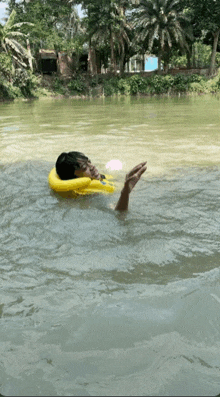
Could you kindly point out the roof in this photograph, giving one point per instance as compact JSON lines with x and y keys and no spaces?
{"x":47,"y":54}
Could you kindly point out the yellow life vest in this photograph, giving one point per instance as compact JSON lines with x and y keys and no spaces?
{"x":80,"y":186}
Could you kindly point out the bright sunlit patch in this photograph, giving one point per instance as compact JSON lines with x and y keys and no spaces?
{"x":114,"y":165}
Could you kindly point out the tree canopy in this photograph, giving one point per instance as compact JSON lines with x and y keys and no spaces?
{"x":117,"y":29}
{"x":161,"y":22}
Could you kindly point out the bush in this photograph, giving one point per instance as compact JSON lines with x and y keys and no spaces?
{"x":199,"y":87}
{"x":94,"y":82}
{"x":181,"y":83}
{"x":138,"y":84}
{"x":168,"y":83}
{"x":8,"y":91}
{"x":26,"y":81}
{"x":124,"y":87}
{"x":195,"y":78}
{"x":215,"y":83}
{"x":78,"y":85}
{"x":159,"y":84}
{"x":111,"y":86}
{"x":58,"y":86}
{"x":6,"y":67}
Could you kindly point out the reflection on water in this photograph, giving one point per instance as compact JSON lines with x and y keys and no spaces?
{"x":93,"y":302}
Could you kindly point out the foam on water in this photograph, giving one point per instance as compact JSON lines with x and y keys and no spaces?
{"x":114,"y":165}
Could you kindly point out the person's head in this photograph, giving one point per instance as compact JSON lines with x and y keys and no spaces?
{"x":74,"y":165}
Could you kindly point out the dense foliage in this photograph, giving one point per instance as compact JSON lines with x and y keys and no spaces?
{"x":181,"y":33}
{"x":161,"y":22}
{"x":109,"y":85}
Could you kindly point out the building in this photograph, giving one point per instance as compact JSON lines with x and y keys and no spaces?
{"x":142,"y":63}
{"x":151,"y":63}
{"x":51,"y":61}
{"x":47,"y":61}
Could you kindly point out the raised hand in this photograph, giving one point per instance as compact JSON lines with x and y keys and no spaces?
{"x":134,"y":175}
{"x":130,"y":181}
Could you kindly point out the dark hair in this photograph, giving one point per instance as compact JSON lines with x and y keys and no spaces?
{"x":67,"y":164}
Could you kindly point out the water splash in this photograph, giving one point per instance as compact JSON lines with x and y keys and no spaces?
{"x":114,"y":165}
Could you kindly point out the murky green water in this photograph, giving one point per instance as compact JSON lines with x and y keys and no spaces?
{"x":93,"y":302}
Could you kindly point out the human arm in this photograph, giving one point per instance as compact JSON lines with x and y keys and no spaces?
{"x":130,"y":181}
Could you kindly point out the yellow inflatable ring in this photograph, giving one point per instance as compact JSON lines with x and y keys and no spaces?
{"x":79,"y":185}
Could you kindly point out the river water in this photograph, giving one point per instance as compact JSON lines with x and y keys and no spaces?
{"x":95,"y":302}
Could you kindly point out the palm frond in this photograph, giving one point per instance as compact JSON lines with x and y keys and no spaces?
{"x":19,"y":61}
{"x":16,"y":34}
{"x":20,"y":24}
{"x":16,"y":47}
{"x":162,"y":19}
{"x":10,"y":21}
{"x":10,"y":33}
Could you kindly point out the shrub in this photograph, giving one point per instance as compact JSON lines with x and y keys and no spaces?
{"x":6,"y":67}
{"x":124,"y":87}
{"x":138,"y":84}
{"x":180,"y":83}
{"x":196,"y":87}
{"x":8,"y":91}
{"x":111,"y":86}
{"x":195,"y":78}
{"x":26,"y":81}
{"x":200,"y":87}
{"x":58,"y":86}
{"x":215,"y":83}
{"x":94,"y":82}
{"x":78,"y":85}
{"x":159,"y":84}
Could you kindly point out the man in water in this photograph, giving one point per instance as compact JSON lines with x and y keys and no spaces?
{"x":76,"y":165}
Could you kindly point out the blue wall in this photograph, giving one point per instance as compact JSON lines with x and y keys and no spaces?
{"x":151,"y":63}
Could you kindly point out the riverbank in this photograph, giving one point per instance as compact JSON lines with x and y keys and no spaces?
{"x":107,"y":85}
{"x":85,"y":86}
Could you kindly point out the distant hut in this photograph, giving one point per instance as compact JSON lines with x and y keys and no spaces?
{"x":51,"y":61}
{"x":47,"y":61}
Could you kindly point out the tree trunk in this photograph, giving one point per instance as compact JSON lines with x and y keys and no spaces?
{"x":122,"y":60}
{"x":92,"y":60}
{"x":113,"y":63}
{"x":189,"y":56}
{"x":166,"y":67}
{"x":121,"y":66}
{"x":29,"y":55}
{"x":159,"y":61}
{"x":214,"y":49}
{"x":143,"y":62}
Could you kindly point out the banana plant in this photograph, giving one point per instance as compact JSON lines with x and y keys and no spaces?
{"x":10,"y":37}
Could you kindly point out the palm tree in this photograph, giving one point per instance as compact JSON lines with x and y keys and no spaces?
{"x":107,"y":24}
{"x":121,"y":32}
{"x":9,"y":33}
{"x":160,"y":22}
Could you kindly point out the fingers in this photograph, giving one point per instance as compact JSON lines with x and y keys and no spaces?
{"x":141,"y":171}
{"x":137,"y":168}
{"x":137,"y":175}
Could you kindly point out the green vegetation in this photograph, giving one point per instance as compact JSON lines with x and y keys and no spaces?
{"x":181,"y":33}
{"x":9,"y":35}
{"x":162,"y":23}
{"x":108,"y":85}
